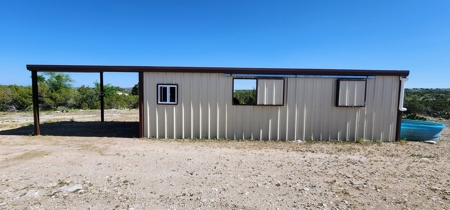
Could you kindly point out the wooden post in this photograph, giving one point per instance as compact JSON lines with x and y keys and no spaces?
{"x":34,"y":84}
{"x":141,"y":104}
{"x":102,"y":99}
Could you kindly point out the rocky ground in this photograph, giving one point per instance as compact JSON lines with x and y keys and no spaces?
{"x":82,"y":172}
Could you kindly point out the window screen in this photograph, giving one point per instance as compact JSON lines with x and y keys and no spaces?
{"x":270,"y":91}
{"x":351,"y":93}
{"x":167,"y":94}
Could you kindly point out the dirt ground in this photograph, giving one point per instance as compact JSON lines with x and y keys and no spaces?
{"x":66,"y":168}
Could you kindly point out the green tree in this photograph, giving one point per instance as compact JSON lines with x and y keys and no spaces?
{"x":414,"y":105}
{"x":15,"y":98}
{"x":58,"y":81}
{"x":108,"y":89}
{"x":56,"y":91}
{"x":88,"y":98}
{"x":135,"y":90}
{"x":245,"y":96}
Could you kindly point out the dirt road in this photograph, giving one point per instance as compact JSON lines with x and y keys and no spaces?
{"x":81,"y":172}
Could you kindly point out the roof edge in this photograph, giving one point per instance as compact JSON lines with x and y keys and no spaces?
{"x":231,"y":70}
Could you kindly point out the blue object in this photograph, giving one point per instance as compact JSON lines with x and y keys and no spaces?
{"x":418,"y":130}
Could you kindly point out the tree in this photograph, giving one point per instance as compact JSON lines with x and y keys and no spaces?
{"x":414,"y":105}
{"x":135,"y":90}
{"x":58,"y":81}
{"x":245,"y":96}
{"x":56,"y":91}
{"x":108,"y":89}
{"x":15,"y":98}
{"x":88,"y":98}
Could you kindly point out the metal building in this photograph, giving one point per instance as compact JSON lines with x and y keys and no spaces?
{"x":287,"y":104}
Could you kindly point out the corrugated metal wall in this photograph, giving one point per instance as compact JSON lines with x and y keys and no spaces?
{"x":205,"y":110}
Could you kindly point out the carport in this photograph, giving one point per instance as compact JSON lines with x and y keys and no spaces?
{"x":83,"y":69}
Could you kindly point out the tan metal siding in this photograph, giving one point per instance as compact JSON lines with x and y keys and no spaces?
{"x":205,"y":110}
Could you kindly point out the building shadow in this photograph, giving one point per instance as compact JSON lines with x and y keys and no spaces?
{"x":83,"y":129}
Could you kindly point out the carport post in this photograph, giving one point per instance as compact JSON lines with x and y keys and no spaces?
{"x":141,"y":104}
{"x":102,"y":99}
{"x":34,"y":84}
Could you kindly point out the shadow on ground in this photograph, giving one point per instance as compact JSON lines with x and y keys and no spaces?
{"x":85,"y":129}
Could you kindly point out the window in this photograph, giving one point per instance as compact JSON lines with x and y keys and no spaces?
{"x":351,"y":93}
{"x":258,"y":91}
{"x":244,"y":92}
{"x":271,"y":92}
{"x":168,"y":94}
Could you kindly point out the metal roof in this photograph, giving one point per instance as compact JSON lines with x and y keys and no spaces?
{"x":230,"y":70}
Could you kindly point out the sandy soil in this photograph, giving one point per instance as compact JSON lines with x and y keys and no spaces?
{"x":81,"y":172}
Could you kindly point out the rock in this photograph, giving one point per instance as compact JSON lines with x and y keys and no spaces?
{"x":70,"y":189}
{"x":306,"y":189}
{"x":435,"y":188}
{"x":36,"y":194}
{"x":74,"y":188}
{"x":424,"y":160}
{"x":354,"y":182}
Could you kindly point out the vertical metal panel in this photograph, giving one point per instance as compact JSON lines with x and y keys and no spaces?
{"x":204,"y":88}
{"x":212,"y":106}
{"x":290,"y":108}
{"x":221,"y":104}
{"x":205,"y":110}
{"x":369,"y":110}
{"x":308,"y":120}
{"x":229,"y":112}
{"x":256,"y":126}
{"x":328,"y":103}
{"x":177,"y":110}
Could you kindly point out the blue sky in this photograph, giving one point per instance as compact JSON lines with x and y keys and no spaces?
{"x":359,"y":34}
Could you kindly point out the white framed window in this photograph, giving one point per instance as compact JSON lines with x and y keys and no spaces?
{"x":167,"y":93}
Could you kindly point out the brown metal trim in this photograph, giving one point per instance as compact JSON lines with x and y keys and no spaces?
{"x":141,"y":104}
{"x":229,"y":70}
{"x":34,"y":82}
{"x":398,"y":127}
{"x":102,"y":99}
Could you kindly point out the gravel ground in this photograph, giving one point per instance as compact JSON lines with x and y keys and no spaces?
{"x":80,"y":172}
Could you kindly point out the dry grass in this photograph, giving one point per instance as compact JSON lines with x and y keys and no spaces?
{"x":30,"y":155}
{"x":94,"y":148}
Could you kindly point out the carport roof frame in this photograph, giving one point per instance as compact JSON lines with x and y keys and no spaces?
{"x":229,"y":70}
